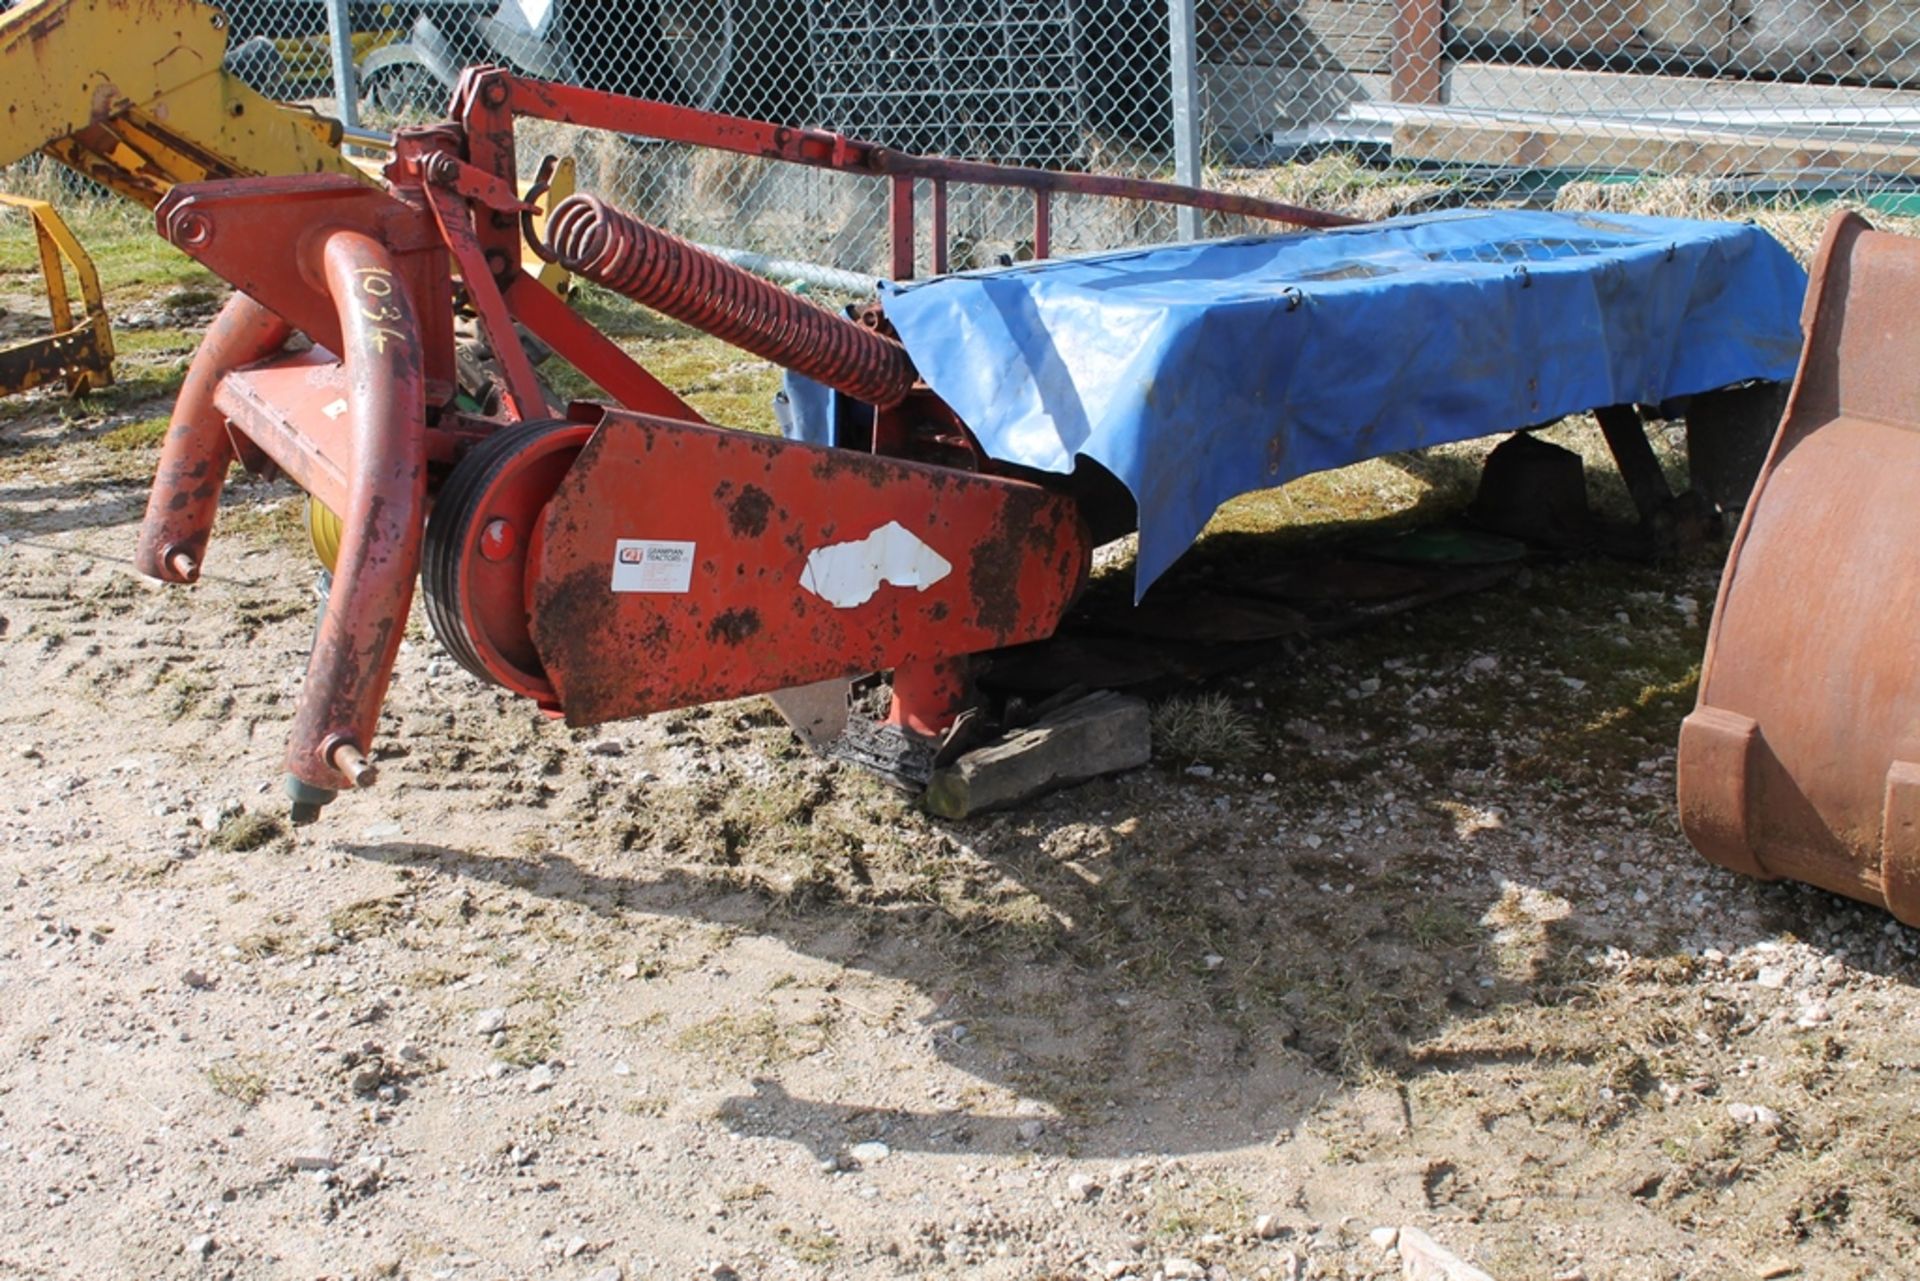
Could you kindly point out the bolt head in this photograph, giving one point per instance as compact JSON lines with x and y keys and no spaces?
{"x":498,"y":540}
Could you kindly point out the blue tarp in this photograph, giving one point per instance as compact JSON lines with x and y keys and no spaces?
{"x":1198,"y":372}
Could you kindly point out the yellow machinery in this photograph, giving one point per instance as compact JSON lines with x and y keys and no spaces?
{"x":82,"y":352}
{"x":134,"y":97}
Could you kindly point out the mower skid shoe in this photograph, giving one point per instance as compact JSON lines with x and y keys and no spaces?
{"x":1802,"y":758}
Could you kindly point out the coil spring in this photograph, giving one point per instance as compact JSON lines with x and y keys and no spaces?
{"x":676,"y":278}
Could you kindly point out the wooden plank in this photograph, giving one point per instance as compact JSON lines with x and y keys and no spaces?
{"x":1584,"y":145}
{"x":1102,"y":733}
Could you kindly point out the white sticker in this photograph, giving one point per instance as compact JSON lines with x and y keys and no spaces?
{"x":334,"y":409}
{"x":846,"y":575}
{"x":650,"y":565}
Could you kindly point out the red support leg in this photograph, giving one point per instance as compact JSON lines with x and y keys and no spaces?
{"x":194,"y":459}
{"x":929,"y":695}
{"x":385,"y":516}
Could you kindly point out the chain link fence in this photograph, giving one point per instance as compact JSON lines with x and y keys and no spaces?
{"x":1377,"y":106}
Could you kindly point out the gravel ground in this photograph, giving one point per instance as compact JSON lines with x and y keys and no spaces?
{"x":1418,"y":947}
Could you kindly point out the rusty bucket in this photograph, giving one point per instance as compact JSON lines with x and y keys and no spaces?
{"x":1802,"y":758}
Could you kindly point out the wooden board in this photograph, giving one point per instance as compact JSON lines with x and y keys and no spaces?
{"x":1578,"y":144}
{"x":1102,"y":733}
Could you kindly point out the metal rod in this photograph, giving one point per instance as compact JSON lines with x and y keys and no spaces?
{"x":542,"y":100}
{"x":361,"y":136}
{"x":785,"y":270}
{"x":1184,"y":70}
{"x":340,"y":39}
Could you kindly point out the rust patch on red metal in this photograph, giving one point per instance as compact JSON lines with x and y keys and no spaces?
{"x":734,"y":626}
{"x":748,"y":514}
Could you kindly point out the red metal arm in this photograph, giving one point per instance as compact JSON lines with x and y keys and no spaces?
{"x":568,"y":104}
{"x":194,"y":459}
{"x":359,"y":635}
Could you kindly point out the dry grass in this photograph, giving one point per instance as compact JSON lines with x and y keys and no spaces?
{"x":1204,"y":727}
{"x":246,"y":1083}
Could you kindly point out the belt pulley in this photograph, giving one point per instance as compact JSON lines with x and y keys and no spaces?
{"x":480,"y":543}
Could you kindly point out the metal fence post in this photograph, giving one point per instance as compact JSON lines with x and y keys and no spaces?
{"x":1184,"y":70}
{"x":340,"y":37}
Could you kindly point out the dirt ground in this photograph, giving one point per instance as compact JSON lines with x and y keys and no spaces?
{"x":1407,"y":938}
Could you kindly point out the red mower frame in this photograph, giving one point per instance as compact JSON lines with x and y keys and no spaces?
{"x":603,"y":561}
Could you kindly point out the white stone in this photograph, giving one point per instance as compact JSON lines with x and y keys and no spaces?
{"x":1424,"y":1259}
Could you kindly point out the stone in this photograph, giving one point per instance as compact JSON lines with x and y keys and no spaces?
{"x":1178,"y":1268}
{"x":870,"y":1153}
{"x":1268,"y":1226}
{"x":490,"y":1021}
{"x":1384,"y":1237}
{"x":540,"y":1078}
{"x":310,"y":1159}
{"x":1424,"y":1259}
{"x":201,"y":1246}
{"x":196,"y":980}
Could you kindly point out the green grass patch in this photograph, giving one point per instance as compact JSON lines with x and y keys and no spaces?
{"x":247,"y":830}
{"x":145,"y":433}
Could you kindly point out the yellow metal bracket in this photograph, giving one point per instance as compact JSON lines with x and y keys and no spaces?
{"x":81,"y":353}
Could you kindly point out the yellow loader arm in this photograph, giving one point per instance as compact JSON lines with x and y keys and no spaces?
{"x":132,"y":94}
